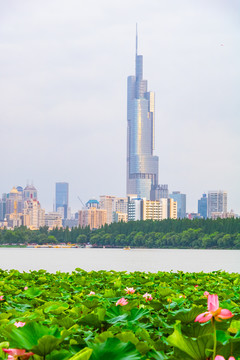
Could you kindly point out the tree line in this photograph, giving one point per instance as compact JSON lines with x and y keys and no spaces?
{"x":185,"y":233}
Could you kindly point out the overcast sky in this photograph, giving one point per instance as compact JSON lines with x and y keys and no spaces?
{"x":63,"y":86}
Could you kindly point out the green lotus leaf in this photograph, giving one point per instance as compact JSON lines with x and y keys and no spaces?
{"x":196,"y":330}
{"x":27,"y":336}
{"x":164,"y":291}
{"x":84,"y":354}
{"x":90,"y":320}
{"x":156,"y":305}
{"x":156,"y":355}
{"x":187,"y":315}
{"x":127,"y":336}
{"x":45,"y":345}
{"x":32,"y":292}
{"x":65,"y":322}
{"x":91,"y":304}
{"x":58,"y":355}
{"x":104,"y":336}
{"x":195,"y":348}
{"x":114,"y":349}
{"x":131,"y":305}
{"x":222,"y":337}
{"x":56,"y":308}
{"x":118,"y":319}
{"x":137,"y":314}
{"x":109,"y":293}
{"x":234,"y":326}
{"x":142,"y":347}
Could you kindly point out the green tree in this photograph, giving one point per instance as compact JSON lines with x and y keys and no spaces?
{"x":81,"y":239}
{"x":52,"y":239}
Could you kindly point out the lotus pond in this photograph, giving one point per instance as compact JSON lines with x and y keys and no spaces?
{"x":108,"y":315}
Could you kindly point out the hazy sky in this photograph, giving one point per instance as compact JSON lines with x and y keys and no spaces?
{"x":63,"y":87}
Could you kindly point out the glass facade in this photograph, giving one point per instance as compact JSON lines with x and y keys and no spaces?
{"x":181,"y":203}
{"x":62,"y":197}
{"x":202,"y":206}
{"x":142,"y":165}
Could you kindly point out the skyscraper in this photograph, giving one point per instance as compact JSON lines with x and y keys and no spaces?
{"x":217,"y":202}
{"x":202,"y":206}
{"x":142,"y":165}
{"x":62,"y":198}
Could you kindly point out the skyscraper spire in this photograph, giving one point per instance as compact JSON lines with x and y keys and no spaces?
{"x":136,"y":40}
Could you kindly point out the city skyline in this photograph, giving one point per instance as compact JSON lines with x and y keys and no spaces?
{"x":63,"y":95}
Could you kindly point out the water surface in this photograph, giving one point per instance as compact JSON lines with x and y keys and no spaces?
{"x":152,"y":260}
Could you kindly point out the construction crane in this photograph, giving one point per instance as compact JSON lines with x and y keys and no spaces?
{"x":81,"y":201}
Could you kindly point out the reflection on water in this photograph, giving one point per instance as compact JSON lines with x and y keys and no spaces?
{"x":151,"y":260}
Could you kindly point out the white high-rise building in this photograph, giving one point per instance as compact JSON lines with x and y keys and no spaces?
{"x":113,"y":205}
{"x":217,"y":202}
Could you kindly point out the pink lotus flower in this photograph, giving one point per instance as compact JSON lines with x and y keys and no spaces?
{"x":219,"y":357}
{"x":195,"y":286}
{"x":15,"y":353}
{"x":214,"y":311}
{"x":130,"y":290}
{"x":19,"y":324}
{"x":91,"y":293}
{"x":206,"y":293}
{"x":122,"y":302}
{"x":148,"y":297}
{"x":25,"y":288}
{"x":1,"y":298}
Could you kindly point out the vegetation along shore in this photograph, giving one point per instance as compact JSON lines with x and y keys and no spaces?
{"x":185,"y":233}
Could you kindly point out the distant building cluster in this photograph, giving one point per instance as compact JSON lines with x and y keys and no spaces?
{"x":20,"y":207}
{"x":146,"y":198}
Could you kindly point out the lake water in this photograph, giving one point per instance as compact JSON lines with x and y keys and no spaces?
{"x":152,"y":260}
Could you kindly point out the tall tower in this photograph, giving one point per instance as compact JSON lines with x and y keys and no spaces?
{"x":142,"y":166}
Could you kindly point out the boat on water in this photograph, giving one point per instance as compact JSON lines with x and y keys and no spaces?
{"x":127,"y":248}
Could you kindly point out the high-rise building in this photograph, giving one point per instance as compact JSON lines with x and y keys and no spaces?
{"x":62,"y":194}
{"x":181,"y":203}
{"x":134,"y":208}
{"x":142,"y":165}
{"x":202,"y":206}
{"x":159,"y":209}
{"x":107,"y":203}
{"x":33,"y":214}
{"x":3,"y":206}
{"x":217,"y":202}
{"x":113,"y":205}
{"x":172,"y":208}
{"x":13,"y":202}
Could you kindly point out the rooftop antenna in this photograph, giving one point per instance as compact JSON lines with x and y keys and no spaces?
{"x":136,"y":39}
